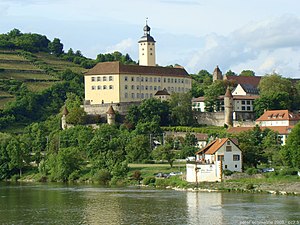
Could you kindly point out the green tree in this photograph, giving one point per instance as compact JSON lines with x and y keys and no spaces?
{"x":56,"y":47}
{"x":164,"y":152}
{"x":138,"y":149}
{"x":77,"y":116}
{"x":181,"y":109}
{"x":291,"y":151}
{"x":212,"y":93}
{"x":247,"y":73}
{"x":230,"y":73}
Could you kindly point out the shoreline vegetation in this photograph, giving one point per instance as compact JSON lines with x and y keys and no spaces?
{"x":143,"y":175}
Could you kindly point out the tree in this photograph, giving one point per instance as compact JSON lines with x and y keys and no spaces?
{"x":56,"y":47}
{"x":212,"y":93}
{"x":247,"y":73}
{"x":164,"y":152}
{"x":181,"y":109}
{"x":138,"y":149}
{"x":275,"y":93}
{"x":230,"y":73}
{"x":77,"y":116}
{"x":291,"y":149}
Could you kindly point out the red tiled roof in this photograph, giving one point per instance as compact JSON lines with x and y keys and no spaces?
{"x":253,"y":80}
{"x":276,"y":115}
{"x":280,"y":129}
{"x":118,"y":68}
{"x":215,"y":145}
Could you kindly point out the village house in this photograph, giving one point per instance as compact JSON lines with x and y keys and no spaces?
{"x":219,"y":155}
{"x":281,"y":121}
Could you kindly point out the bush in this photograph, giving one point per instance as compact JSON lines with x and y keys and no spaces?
{"x":251,"y":171}
{"x":227,"y":172}
{"x":149,"y":180}
{"x":103,"y":176}
{"x":250,"y":186}
{"x":288,"y":171}
{"x":74,"y":175}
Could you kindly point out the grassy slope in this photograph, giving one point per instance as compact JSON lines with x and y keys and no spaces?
{"x":18,"y":68}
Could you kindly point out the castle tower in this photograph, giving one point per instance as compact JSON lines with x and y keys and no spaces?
{"x":65,"y":112}
{"x":111,"y":115}
{"x":217,"y":74}
{"x":228,"y":104}
{"x":147,"y":48}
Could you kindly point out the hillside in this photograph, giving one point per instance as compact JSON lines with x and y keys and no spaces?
{"x":38,"y":71}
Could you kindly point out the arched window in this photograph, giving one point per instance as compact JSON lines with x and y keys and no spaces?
{"x":110,"y":78}
{"x":111,"y":87}
{"x":104,"y":87}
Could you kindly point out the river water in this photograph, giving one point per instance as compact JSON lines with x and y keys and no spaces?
{"x":83,"y":204}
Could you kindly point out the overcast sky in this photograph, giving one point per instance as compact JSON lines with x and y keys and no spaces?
{"x":260,"y":35}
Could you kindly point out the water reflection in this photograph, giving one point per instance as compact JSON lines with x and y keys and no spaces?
{"x":63,"y":204}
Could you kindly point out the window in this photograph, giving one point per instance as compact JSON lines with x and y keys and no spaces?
{"x":137,"y":79}
{"x":225,"y":166}
{"x":93,"y":87}
{"x":243,"y":102}
{"x":104,"y":87}
{"x":93,"y":79}
{"x":150,"y":48}
{"x":104,"y":78}
{"x":146,"y":87}
{"x":236,"y":157}
{"x":111,"y":87}
{"x":146,"y":95}
{"x":132,"y":95}
{"x":142,"y":79}
{"x":220,"y":157}
{"x":137,"y":95}
{"x":182,"y":89}
{"x":142,"y":87}
{"x":98,"y":78}
{"x":150,"y":79}
{"x":172,"y":80}
{"x":99,"y":87}
{"x":235,"y":166}
{"x":150,"y":53}
{"x":243,"y":108}
{"x":132,"y":87}
{"x":182,"y":81}
{"x":248,"y":108}
{"x":158,"y":87}
{"x":248,"y":102}
{"x":110,"y":78}
{"x":150,"y":88}
{"x":126,"y":95}
{"x":165,"y":80}
{"x":151,"y":95}
{"x":228,"y":148}
{"x":175,"y":80}
{"x":146,"y":79}
{"x":168,"y":80}
{"x":154,"y":79}
{"x":142,"y":95}
{"x":132,"y":78}
{"x":125,"y":78}
{"x":228,"y":142}
{"x":158,"y":79}
{"x":137,"y":87}
{"x":125,"y":87}
{"x":155,"y":88}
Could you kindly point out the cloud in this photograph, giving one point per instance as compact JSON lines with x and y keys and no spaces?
{"x":123,"y":46}
{"x":181,"y":2}
{"x":263,"y":46}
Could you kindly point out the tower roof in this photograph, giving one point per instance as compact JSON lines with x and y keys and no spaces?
{"x":65,"y":111}
{"x":110,"y":110}
{"x":228,"y":93}
{"x":146,"y":37}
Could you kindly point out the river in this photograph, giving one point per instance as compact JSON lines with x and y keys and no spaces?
{"x":91,"y":204}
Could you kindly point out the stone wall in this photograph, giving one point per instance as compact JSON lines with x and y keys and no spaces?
{"x":210,"y":118}
{"x":101,"y":109}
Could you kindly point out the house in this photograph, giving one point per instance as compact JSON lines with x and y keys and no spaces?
{"x":112,"y":83}
{"x":220,"y":154}
{"x":278,"y":118}
{"x":280,"y":121}
{"x":163,"y":95}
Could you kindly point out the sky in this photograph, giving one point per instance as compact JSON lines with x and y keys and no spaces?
{"x":258,"y":35}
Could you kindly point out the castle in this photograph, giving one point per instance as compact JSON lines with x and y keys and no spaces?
{"x":114,"y":84}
